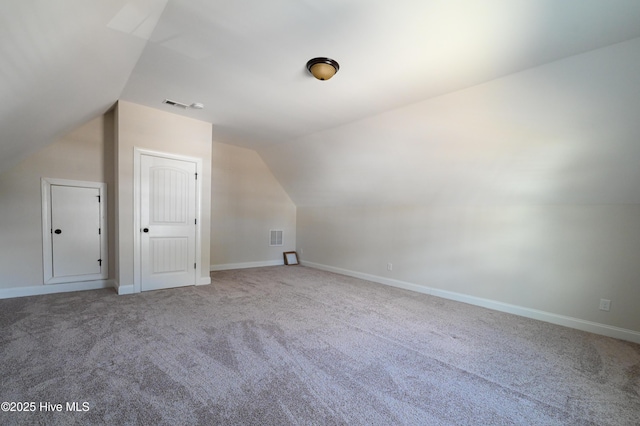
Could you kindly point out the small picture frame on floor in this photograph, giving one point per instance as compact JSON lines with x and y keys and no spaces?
{"x":290,"y":258}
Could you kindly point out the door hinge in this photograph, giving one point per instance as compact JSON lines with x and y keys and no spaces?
{"x":194,"y":266}
{"x":195,"y":221}
{"x":196,"y":176}
{"x":99,"y":231}
{"x":98,"y":198}
{"x":100,"y":262}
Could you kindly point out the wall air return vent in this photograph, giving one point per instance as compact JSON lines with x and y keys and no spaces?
{"x":275,"y":237}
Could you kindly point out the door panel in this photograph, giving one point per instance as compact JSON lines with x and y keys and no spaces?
{"x":75,"y":222}
{"x":167,"y":213}
{"x":169,"y":255}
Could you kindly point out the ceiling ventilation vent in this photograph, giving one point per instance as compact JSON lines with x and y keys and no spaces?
{"x":175,"y":104}
{"x":275,"y":238}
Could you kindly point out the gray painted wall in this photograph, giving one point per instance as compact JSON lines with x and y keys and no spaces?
{"x":247,"y":202}
{"x":524,"y":190}
{"x":557,"y":259}
{"x":247,"y":199}
{"x":84,"y":154}
{"x":148,"y":128}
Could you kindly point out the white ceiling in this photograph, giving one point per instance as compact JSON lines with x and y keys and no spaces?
{"x":66,"y":61}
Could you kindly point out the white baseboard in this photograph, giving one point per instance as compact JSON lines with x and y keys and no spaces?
{"x":579,"y":324}
{"x":244,"y":265}
{"x":203,"y":281}
{"x":128,"y":289}
{"x":8,"y":293}
{"x":123,"y":289}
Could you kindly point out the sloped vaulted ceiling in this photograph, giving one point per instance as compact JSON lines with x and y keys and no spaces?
{"x":63,"y":63}
{"x":66,"y":61}
{"x":563,"y":133}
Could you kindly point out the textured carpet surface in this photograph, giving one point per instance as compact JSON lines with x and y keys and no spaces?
{"x":294,"y":345}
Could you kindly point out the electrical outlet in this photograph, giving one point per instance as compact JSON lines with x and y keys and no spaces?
{"x":605,"y":304}
{"x":389,"y":266}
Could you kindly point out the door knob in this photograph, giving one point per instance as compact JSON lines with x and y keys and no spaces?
{"x":145,"y":230}
{"x":58,"y":231}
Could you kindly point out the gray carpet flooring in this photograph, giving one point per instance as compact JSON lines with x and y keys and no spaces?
{"x":293,"y":345}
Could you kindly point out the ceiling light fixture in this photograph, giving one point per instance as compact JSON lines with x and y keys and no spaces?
{"x":323,"y":68}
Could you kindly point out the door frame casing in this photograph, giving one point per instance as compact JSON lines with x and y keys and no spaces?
{"x":137,"y":209}
{"x":47,"y":247}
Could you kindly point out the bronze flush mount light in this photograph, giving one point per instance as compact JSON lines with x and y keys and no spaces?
{"x":323,"y":68}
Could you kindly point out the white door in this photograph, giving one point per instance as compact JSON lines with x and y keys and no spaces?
{"x":75,"y":232}
{"x":167,"y":218}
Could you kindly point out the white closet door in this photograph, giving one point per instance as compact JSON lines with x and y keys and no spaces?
{"x":75,"y":231}
{"x":167,"y":218}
